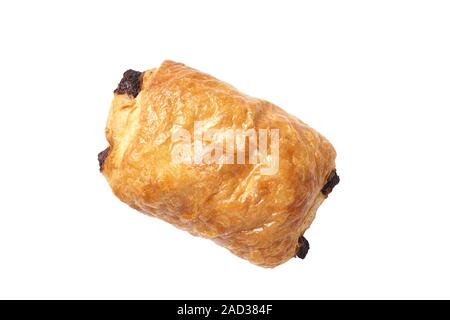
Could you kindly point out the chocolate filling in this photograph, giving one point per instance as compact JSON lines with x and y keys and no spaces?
{"x":130,"y":83}
{"x":102,"y":157}
{"x":304,"y":247}
{"x":333,"y":180}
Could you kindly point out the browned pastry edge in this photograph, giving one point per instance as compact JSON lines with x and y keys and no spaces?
{"x":332,"y":180}
{"x":130,"y":83}
{"x":102,"y":157}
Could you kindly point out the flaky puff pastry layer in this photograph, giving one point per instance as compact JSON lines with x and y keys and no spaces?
{"x":257,"y":217}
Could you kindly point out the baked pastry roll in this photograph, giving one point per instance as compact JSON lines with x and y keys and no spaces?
{"x":255,"y":202}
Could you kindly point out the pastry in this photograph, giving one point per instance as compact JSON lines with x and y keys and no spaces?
{"x":194,"y":151}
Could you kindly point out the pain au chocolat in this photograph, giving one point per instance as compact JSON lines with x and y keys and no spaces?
{"x":256,"y":202}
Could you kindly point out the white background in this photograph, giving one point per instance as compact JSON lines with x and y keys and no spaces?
{"x":372,"y":76}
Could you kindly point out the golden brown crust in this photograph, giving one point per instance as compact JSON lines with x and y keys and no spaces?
{"x":258,"y":217}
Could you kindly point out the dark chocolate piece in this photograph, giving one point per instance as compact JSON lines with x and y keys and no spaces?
{"x":333,"y":180}
{"x":304,"y":247}
{"x":102,"y":157}
{"x":130,"y":83}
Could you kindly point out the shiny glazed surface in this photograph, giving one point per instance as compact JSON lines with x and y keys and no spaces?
{"x":257,"y":217}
